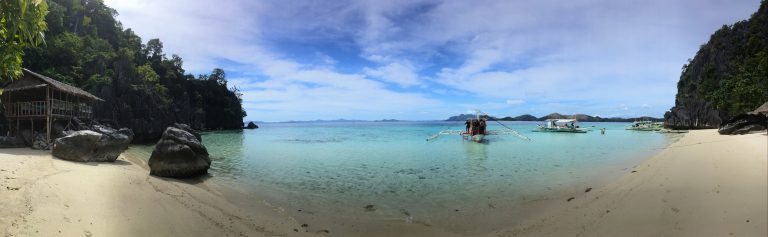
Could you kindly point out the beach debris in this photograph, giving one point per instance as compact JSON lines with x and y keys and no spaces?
{"x":324,"y":231}
{"x":295,"y":230}
{"x":370,"y":208}
{"x":12,"y":189}
{"x":588,"y":189}
{"x":607,"y":211}
{"x":571,"y":198}
{"x":634,"y":171}
{"x":179,"y":154}
{"x":304,"y":225}
{"x":456,"y":210}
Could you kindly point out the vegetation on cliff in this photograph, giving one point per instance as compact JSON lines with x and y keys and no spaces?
{"x":144,"y":89}
{"x":731,"y":70}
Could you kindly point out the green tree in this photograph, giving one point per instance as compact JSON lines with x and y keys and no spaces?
{"x":148,"y":74}
{"x":22,"y":24}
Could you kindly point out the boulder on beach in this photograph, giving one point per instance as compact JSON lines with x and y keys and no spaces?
{"x":251,"y":125}
{"x":743,"y":124}
{"x":100,"y":144}
{"x":188,"y":129}
{"x":179,"y":154}
{"x":11,"y":142}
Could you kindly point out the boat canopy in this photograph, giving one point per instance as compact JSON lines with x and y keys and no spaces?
{"x":562,"y":120}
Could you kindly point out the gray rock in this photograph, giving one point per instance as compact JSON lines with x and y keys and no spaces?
{"x":692,"y":114}
{"x":748,"y":129}
{"x":77,"y":146}
{"x":179,"y":154}
{"x":100,"y":144}
{"x":743,"y":124}
{"x":11,"y":142}
{"x":251,"y":125}
{"x":189,"y":130}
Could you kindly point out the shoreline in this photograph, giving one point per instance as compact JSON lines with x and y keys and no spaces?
{"x":45,"y":196}
{"x":703,"y":184}
{"x":697,"y":176}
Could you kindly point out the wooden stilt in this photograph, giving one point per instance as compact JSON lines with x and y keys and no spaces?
{"x":48,"y":114}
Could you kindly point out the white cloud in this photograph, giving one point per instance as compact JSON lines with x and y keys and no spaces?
{"x":401,"y":73}
{"x":604,"y":52}
{"x":515,"y":102}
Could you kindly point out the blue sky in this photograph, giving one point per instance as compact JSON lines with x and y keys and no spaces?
{"x":430,"y":59}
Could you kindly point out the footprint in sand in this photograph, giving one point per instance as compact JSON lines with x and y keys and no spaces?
{"x":88,"y":233}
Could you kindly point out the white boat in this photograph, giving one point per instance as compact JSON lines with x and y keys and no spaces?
{"x":479,"y":136}
{"x":645,"y":126}
{"x":560,"y":125}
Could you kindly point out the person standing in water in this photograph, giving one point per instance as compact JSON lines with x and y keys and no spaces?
{"x":469,"y":124}
{"x":481,"y":126}
{"x":475,"y":126}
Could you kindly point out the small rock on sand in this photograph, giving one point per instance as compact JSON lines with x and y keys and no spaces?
{"x":370,"y":208}
{"x":571,"y":198}
{"x":588,"y":189}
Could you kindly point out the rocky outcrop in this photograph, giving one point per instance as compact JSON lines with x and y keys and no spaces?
{"x":101,"y":144}
{"x":179,"y":154}
{"x":692,"y":114}
{"x":252,"y":125}
{"x":745,"y":123}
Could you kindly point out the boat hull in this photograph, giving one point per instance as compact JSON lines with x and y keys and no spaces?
{"x":560,"y":130}
{"x":478,"y":138}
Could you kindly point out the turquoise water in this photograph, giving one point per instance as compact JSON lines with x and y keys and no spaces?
{"x":334,"y":170}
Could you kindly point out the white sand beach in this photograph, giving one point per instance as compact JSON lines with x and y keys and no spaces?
{"x":45,"y":196}
{"x":704,"y":184}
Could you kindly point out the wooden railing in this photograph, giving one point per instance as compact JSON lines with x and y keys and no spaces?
{"x":40,"y":108}
{"x":27,"y":109}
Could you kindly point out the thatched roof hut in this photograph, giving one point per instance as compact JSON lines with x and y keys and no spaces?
{"x":34,"y":99}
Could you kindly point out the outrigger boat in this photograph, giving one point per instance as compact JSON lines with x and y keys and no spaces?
{"x":479,"y":135}
{"x":646,"y":126}
{"x":560,"y":125}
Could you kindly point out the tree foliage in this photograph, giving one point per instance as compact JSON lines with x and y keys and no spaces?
{"x":22,"y":24}
{"x":143,"y":89}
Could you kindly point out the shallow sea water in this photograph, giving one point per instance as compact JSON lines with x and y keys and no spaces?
{"x":363,"y":173}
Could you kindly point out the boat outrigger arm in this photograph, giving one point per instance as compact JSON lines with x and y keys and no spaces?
{"x":504,"y":131}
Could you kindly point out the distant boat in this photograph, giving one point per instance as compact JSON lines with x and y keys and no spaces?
{"x":560,"y":125}
{"x":645,"y":126}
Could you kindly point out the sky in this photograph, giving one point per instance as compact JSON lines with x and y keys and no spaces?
{"x":431,"y":59}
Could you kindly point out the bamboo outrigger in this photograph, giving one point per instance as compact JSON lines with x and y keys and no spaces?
{"x":478,"y":135}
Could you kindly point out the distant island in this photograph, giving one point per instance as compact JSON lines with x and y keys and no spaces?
{"x":580,"y":117}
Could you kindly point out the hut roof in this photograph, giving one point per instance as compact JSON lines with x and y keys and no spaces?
{"x":38,"y":80}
